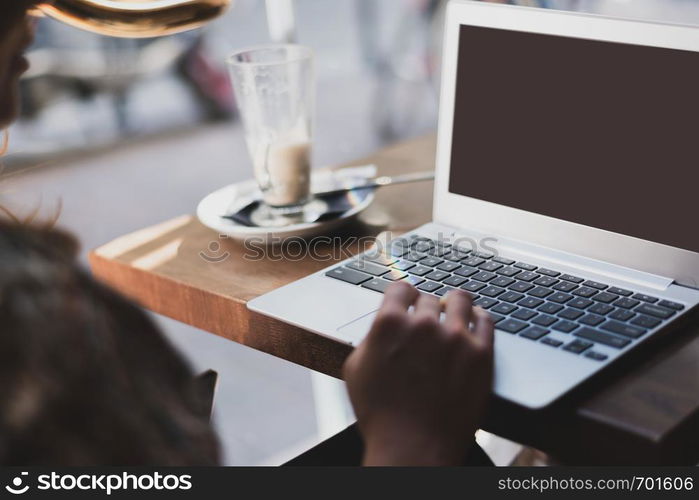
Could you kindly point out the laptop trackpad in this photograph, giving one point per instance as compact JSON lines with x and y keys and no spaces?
{"x":356,"y":330}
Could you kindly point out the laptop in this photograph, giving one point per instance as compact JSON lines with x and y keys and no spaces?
{"x":566,"y":178}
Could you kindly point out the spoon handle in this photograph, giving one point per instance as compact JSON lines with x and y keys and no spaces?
{"x":382,"y":181}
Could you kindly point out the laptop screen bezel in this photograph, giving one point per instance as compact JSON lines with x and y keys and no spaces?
{"x":679,"y":265}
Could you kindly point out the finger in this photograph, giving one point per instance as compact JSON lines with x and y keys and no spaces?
{"x":428,"y":305}
{"x":399,"y":297}
{"x":458,"y":310}
{"x":483,"y":328}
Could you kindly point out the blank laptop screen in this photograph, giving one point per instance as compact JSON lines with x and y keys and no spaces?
{"x":597,"y":133}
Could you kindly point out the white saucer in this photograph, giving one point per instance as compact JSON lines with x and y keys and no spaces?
{"x":224,"y":201}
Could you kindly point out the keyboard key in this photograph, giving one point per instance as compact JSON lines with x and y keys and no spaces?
{"x":377,"y":284}
{"x":473,"y":286}
{"x":621,"y":329}
{"x":485,"y":302}
{"x":645,"y":298}
{"x":548,"y":272}
{"x":540,"y":292}
{"x":524,"y":314}
{"x":572,"y":279}
{"x":534,"y":333}
{"x":490,"y":266}
{"x":449,"y":267}
{"x":605,"y":297}
{"x":580,"y":303}
{"x":602,"y":338}
{"x":414,"y":256}
{"x":422,"y":246}
{"x":530,"y":302}
{"x":626,"y":303}
{"x":504,"y":308}
{"x":414,"y":280}
{"x":646,"y":322}
{"x":591,"y":319}
{"x":578,"y":346}
{"x":403,"y":265}
{"x":565,"y":286}
{"x":455,"y":256}
{"x":601,"y":309}
{"x":400,"y":243}
{"x":466,"y":271}
{"x":550,"y":308}
{"x":380,"y":259}
{"x":560,"y":298}
{"x":585,"y":291}
{"x":368,"y":267}
{"x":521,"y":286}
{"x":526,"y":267}
{"x":565,"y":326}
{"x":544,"y":320}
{"x":503,"y":260}
{"x":595,"y":284}
{"x":596,"y":356}
{"x":545,"y":281}
{"x":444,"y":290}
{"x":492,"y":291}
{"x":473,"y":261}
{"x":657,"y":311}
{"x":437,"y":275}
{"x":431,"y":261}
{"x":511,"y":297}
{"x":484,"y":276}
{"x":394,"y":276}
{"x":420,"y":270}
{"x":552,"y":342}
{"x":671,"y":305}
{"x":620,"y":291}
{"x":439,"y":251}
{"x":455,"y":281}
{"x":502,"y":281}
{"x":429,"y":286}
{"x":527,"y":276}
{"x":622,"y":315}
{"x":497,"y":318}
{"x":348,"y":275}
{"x":571,"y":314}
{"x":397,"y":251}
{"x":508,"y":271}
{"x":512,"y":326}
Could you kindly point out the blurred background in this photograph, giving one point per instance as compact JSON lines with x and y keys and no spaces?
{"x":128,"y":133}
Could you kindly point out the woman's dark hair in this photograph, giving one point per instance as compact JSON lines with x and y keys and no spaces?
{"x":85,"y":376}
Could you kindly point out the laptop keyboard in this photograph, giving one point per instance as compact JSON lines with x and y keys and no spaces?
{"x":524,"y":300}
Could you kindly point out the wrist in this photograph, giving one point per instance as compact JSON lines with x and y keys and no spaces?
{"x":407,"y":445}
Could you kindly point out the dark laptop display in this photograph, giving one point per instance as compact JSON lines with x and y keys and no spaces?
{"x":601,"y":134}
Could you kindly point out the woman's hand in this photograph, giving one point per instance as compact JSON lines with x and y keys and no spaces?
{"x":420,"y":386}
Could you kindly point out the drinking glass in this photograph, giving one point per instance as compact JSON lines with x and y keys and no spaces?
{"x":275,"y":92}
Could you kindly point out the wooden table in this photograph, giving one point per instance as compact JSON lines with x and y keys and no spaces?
{"x":647,"y":412}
